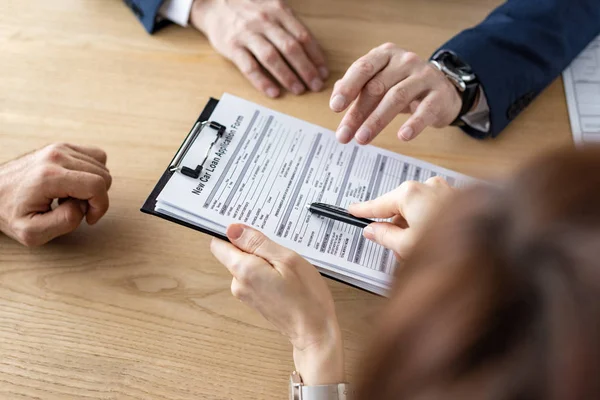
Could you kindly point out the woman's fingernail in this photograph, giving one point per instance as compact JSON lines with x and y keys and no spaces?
{"x":324,"y":72}
{"x":297,"y":88}
{"x":272,"y":92}
{"x":338,"y":102}
{"x":363,"y":135}
{"x":369,"y":232}
{"x":235,"y":232}
{"x":407,"y":132}
{"x":316,"y":85}
{"x":344,"y":134}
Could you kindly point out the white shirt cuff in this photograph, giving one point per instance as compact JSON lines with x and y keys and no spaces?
{"x":479,"y":117}
{"x":177,"y":11}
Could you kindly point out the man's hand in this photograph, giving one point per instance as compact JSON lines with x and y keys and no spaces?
{"x":261,"y":36}
{"x":410,"y":206}
{"x":289,"y":292}
{"x":74,"y":175}
{"x":389,"y":81}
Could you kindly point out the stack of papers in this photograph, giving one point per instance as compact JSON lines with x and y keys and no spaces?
{"x":269,"y":166}
{"x":582,"y":85}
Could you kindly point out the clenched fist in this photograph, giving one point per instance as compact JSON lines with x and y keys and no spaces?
{"x":76,"y":176}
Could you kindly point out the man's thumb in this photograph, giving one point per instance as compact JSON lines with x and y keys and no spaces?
{"x":62,"y":220}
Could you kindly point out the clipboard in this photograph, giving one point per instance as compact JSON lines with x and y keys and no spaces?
{"x":149,"y":205}
{"x":197,"y":129}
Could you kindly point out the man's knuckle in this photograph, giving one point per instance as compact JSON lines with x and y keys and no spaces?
{"x":365,"y":67}
{"x":375,"y":88}
{"x":97,"y":183}
{"x":26,"y":234}
{"x":45,"y":172}
{"x":419,"y":121}
{"x":249,"y":68}
{"x":291,"y":47}
{"x":376,"y":122}
{"x":270,"y":55}
{"x":72,"y":220}
{"x":232,"y":42}
{"x":263,"y":16}
{"x":103,"y":156}
{"x":400,"y":97}
{"x":107,"y":179}
{"x":248,"y":25}
{"x":53,"y":153}
{"x":303,"y":36}
{"x":278,"y":5}
{"x":357,"y":115}
{"x":430,"y":114}
{"x":410,"y":57}
{"x":388,"y":46}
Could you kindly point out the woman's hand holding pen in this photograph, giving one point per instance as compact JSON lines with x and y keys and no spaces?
{"x":290,"y":293}
{"x":410,"y":206}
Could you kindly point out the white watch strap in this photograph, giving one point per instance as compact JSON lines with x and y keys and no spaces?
{"x":340,"y":391}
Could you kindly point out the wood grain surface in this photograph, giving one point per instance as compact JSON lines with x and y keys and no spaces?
{"x":135,"y":307}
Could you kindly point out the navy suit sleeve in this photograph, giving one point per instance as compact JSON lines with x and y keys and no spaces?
{"x":147,"y":13}
{"x":521,"y":48}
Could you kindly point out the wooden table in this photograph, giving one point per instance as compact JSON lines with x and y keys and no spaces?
{"x":135,"y":307}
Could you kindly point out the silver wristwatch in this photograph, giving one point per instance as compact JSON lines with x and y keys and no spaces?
{"x":462,"y":77}
{"x":298,"y":391}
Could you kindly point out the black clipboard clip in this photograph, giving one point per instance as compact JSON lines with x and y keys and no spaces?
{"x":196,"y":130}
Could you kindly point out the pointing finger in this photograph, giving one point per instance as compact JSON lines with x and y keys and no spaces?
{"x":428,"y":113}
{"x":360,"y":72}
{"x":388,"y":205}
{"x":395,"y":100}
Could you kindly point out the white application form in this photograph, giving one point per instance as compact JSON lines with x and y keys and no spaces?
{"x":269,"y":166}
{"x":582,"y":86}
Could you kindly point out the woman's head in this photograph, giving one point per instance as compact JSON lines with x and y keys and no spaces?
{"x":501,"y":297}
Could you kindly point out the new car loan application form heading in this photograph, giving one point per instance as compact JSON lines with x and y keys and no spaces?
{"x":265,"y":170}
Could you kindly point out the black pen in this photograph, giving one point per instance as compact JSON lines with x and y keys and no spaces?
{"x":338,"y":214}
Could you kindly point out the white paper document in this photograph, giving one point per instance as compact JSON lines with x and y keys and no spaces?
{"x":582,"y":85}
{"x":269,"y":166}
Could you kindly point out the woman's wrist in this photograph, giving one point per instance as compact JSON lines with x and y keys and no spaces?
{"x":322,"y":362}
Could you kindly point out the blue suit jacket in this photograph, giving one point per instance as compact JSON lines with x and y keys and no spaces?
{"x":516,"y":51}
{"x":521,"y":48}
{"x":147,"y":13}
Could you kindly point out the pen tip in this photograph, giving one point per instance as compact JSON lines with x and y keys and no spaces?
{"x":307,"y":206}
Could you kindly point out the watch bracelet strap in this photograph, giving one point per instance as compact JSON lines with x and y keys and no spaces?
{"x":340,"y":391}
{"x":471,"y":93}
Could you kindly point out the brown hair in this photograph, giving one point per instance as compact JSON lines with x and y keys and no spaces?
{"x":501,"y":297}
